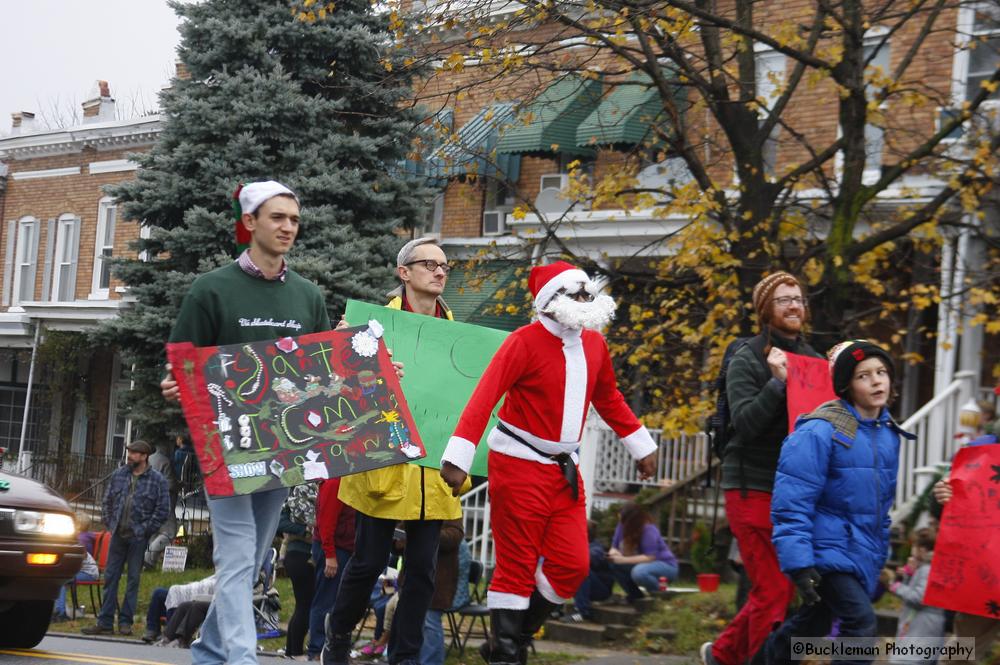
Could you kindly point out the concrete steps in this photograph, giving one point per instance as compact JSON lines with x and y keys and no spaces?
{"x":613,"y":623}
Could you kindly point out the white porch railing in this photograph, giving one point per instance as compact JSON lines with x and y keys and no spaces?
{"x":935,"y":425}
{"x":476,"y":521}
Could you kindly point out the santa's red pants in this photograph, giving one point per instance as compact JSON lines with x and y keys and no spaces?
{"x":770,"y":592}
{"x":534,"y":518}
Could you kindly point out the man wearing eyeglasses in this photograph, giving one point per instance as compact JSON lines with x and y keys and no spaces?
{"x":409,"y":493}
{"x":755,"y":388}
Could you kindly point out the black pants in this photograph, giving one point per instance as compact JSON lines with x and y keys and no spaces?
{"x":185,"y":621}
{"x":372,"y":544}
{"x":300,"y":571}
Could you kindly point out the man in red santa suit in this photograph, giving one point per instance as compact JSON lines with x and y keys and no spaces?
{"x":551,"y":371}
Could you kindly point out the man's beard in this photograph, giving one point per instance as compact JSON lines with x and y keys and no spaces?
{"x":578,"y":315}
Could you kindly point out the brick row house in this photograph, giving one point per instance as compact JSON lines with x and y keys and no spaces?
{"x":57,"y":228}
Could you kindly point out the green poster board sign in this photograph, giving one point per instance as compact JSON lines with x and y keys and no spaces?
{"x":443,"y":361}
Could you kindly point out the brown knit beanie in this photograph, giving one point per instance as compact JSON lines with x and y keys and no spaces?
{"x":764,"y":290}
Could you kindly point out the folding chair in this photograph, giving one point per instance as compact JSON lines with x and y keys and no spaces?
{"x":473,"y":610}
{"x":102,"y":543}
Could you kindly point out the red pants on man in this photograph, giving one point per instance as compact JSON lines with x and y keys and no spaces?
{"x":749,"y":515}
{"x":535,"y":518}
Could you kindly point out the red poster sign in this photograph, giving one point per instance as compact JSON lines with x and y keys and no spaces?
{"x":809,"y":385}
{"x":278,"y":413}
{"x":965,"y":572}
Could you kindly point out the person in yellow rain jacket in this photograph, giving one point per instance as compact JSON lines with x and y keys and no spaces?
{"x":407,"y":493}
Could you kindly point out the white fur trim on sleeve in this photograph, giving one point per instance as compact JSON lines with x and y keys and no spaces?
{"x":459,"y":452}
{"x":639,"y":443}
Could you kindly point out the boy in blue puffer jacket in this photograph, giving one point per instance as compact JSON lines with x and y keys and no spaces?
{"x":835,"y":483}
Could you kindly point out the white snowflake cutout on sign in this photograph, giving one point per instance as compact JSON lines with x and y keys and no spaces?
{"x":314,"y":419}
{"x":375,"y":328}
{"x":313,"y":470}
{"x":410,"y":450}
{"x":364,"y":344}
{"x":276,"y":468}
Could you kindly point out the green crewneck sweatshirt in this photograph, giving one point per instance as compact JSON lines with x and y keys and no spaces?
{"x":228,"y":306}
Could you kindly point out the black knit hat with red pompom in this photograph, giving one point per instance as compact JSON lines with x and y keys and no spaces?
{"x":844,"y":357}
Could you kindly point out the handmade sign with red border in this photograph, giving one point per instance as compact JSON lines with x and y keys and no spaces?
{"x":964,"y":573}
{"x":264,"y":415}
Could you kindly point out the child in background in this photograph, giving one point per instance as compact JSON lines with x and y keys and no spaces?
{"x":917,"y":619}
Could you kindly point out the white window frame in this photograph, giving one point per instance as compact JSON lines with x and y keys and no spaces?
{"x":763,"y":54}
{"x":105,"y":207}
{"x":966,"y":33}
{"x":119,"y":386}
{"x":873,"y":162}
{"x":67,"y":253}
{"x":22,"y":264}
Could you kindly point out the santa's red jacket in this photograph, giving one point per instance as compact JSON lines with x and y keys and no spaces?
{"x":551,"y":375}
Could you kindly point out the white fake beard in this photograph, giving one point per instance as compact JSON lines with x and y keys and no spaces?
{"x":594,"y":315}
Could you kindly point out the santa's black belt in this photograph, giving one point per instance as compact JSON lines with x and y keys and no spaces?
{"x":564,"y":460}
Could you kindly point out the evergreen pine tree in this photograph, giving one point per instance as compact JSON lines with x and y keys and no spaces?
{"x":318,"y":106}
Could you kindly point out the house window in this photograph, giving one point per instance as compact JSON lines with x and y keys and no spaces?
{"x":984,"y":57}
{"x":876,"y":54}
{"x":118,"y":422}
{"x":104,"y":247}
{"x":67,"y":247}
{"x":25,"y":260}
{"x":770,"y":77}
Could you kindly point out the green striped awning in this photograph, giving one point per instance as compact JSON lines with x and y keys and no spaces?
{"x":477,"y":294}
{"x":550,"y":121}
{"x":471,"y":150}
{"x":625,"y":115}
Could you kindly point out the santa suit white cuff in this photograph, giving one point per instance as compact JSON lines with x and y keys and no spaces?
{"x":460,"y":452}
{"x":498,"y":600}
{"x":639,"y":443}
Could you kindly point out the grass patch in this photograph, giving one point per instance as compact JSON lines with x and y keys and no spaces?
{"x":695,"y":618}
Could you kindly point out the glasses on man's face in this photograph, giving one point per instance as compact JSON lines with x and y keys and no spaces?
{"x":431,"y":265}
{"x":785,"y":301}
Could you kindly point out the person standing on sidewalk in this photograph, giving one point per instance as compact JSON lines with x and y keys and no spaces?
{"x":755,"y":388}
{"x":135,"y":507}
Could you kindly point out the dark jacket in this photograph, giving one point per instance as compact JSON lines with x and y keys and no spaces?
{"x":835,"y":484}
{"x":150,"y":502}
{"x":759,"y":414}
{"x":446,"y":577}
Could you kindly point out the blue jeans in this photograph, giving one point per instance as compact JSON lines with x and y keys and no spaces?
{"x":157,"y":609}
{"x":432,"y":650}
{"x":61,"y":600}
{"x":324,"y":597}
{"x":121,"y":553}
{"x":631,"y":576}
{"x":242,"y":530}
{"x":593,"y":588}
{"x":842,"y":596}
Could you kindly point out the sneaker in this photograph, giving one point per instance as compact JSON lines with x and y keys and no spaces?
{"x":336,"y":650}
{"x":97,"y":630}
{"x":706,"y":654}
{"x":124,"y":630}
{"x":150,"y":636}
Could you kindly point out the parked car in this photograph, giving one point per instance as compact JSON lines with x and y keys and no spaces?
{"x":39,"y":553}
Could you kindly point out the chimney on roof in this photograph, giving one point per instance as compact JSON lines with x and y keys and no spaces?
{"x":181,"y":70}
{"x":100,"y":107}
{"x":22,"y":122}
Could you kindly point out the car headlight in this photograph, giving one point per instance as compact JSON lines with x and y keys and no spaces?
{"x":48,"y":524}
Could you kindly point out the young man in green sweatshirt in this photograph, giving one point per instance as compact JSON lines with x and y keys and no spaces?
{"x":255,"y":298}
